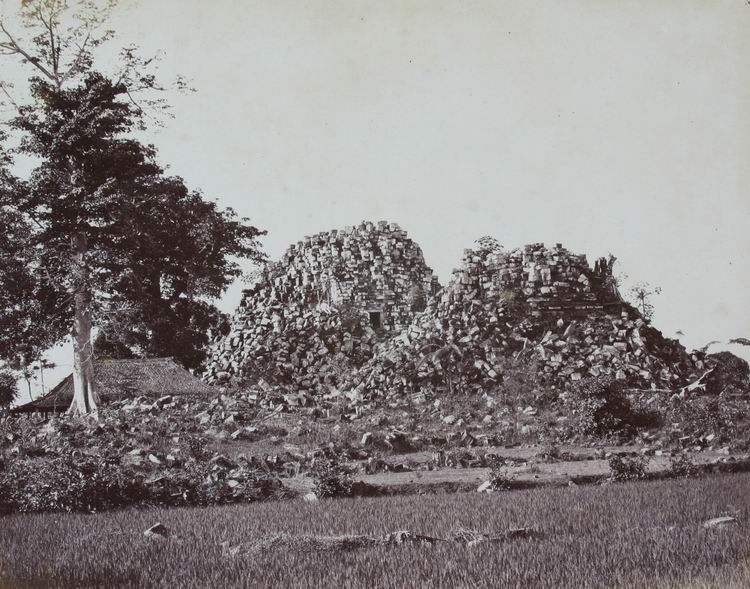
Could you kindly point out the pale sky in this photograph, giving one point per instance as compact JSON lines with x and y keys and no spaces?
{"x":609,"y":126}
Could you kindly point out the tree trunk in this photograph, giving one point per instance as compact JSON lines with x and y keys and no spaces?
{"x":84,"y":396}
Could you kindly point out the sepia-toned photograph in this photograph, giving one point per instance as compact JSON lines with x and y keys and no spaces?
{"x":375,"y":294}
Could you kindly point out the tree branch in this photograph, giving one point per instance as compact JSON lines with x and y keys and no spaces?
{"x":13,"y":45}
{"x":4,"y":90}
{"x":78,"y":58}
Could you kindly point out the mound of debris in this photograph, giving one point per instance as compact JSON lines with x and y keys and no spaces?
{"x":540,"y":313}
{"x":351,"y":320}
{"x":319,"y":311}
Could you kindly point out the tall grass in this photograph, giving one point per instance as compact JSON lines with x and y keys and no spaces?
{"x":621,"y":535}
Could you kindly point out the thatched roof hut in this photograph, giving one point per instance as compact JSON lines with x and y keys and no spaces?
{"x":120,"y":379}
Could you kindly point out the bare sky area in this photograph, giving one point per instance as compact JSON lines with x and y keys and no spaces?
{"x":609,"y":126}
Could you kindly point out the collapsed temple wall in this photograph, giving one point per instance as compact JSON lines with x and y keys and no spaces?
{"x":548,"y":280}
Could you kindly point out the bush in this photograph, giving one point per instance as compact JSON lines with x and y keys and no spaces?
{"x":624,"y":468}
{"x":709,"y":414}
{"x":82,"y":483}
{"x":500,"y":480}
{"x":550,"y":453}
{"x":682,"y":466}
{"x":195,"y":447}
{"x":62,"y":484}
{"x":729,"y":372}
{"x":8,"y":390}
{"x":331,"y":480}
{"x":601,"y":407}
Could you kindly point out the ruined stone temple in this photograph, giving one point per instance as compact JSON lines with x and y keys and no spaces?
{"x":358,"y":312}
{"x":372,"y":269}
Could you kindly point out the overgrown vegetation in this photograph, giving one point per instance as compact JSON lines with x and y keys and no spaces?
{"x":66,"y":484}
{"x":600,"y":407}
{"x":500,"y":480}
{"x":683,"y":466}
{"x":332,"y":480}
{"x":8,"y":389}
{"x":628,"y":468}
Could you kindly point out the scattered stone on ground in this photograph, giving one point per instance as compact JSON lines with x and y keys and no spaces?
{"x":157,"y":531}
{"x":721,"y":522}
{"x":308,"y":544}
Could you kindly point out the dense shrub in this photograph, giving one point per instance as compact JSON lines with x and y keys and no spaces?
{"x":706,"y":415}
{"x":682,"y":466}
{"x":500,"y":480}
{"x":65,"y":484}
{"x":83,"y":483}
{"x":600,"y":407}
{"x":628,"y":468}
{"x":331,"y":480}
{"x":729,"y":372}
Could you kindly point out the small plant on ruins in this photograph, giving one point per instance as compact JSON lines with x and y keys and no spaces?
{"x":642,"y":295}
{"x":332,"y":480}
{"x":683,"y":466}
{"x":628,"y":468}
{"x":488,"y":244}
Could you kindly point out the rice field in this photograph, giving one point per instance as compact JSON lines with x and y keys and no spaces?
{"x":647,"y":534}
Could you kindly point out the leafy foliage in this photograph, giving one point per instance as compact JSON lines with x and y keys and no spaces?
{"x":488,"y":244}
{"x":157,"y":251}
{"x":500,"y":480}
{"x":8,"y":388}
{"x":65,"y":484}
{"x":94,"y":484}
{"x":730,"y":373}
{"x":642,"y":295}
{"x":99,"y":229}
{"x":628,"y":468}
{"x":332,"y":480}
{"x":600,"y":407}
{"x":682,"y":466}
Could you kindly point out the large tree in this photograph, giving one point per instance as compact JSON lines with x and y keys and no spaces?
{"x":113,"y":241}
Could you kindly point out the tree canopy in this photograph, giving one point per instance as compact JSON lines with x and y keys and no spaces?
{"x":99,"y":235}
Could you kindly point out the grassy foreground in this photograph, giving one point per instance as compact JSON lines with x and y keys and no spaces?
{"x":621,"y":535}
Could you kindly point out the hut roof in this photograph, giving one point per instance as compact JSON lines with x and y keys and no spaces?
{"x":119,"y":379}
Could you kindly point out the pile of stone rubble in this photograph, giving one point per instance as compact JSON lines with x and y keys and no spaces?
{"x":357,"y":313}
{"x":542,"y":309}
{"x":317,"y":310}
